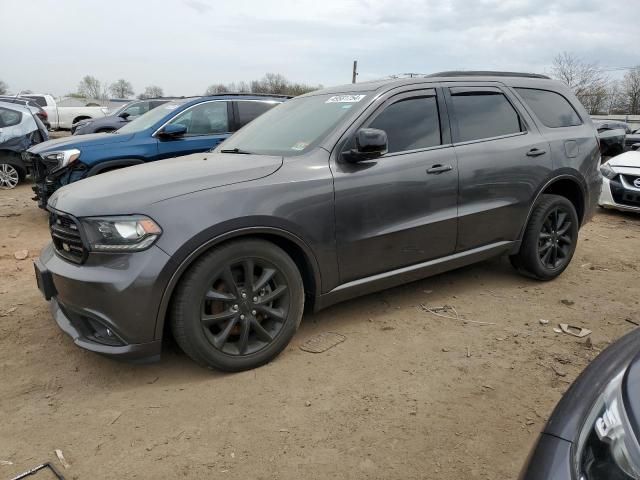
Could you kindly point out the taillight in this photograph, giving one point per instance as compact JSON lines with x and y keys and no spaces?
{"x":44,"y":114}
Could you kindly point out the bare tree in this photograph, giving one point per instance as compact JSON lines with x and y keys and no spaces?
{"x":121,"y":89}
{"x":631,"y":91}
{"x":587,"y":80}
{"x":216,"y":88}
{"x":90,"y":87}
{"x":4,"y":88}
{"x":152,"y":91}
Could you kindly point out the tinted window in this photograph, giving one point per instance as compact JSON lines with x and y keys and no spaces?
{"x":551,"y":108}
{"x":137,"y":109}
{"x":410,"y":124}
{"x":9,"y":118}
{"x":484,"y":115}
{"x":38,"y":99}
{"x":247,"y":111}
{"x":204,"y":119}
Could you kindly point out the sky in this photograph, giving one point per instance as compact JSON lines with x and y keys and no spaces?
{"x":186,"y":45}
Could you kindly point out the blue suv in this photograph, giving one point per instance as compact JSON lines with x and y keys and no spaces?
{"x":179,"y":127}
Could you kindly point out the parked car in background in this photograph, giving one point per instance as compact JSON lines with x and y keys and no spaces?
{"x":603,"y":125}
{"x":632,"y":139}
{"x":179,"y":127}
{"x":64,"y":117}
{"x":117,"y":119}
{"x":593,"y":433}
{"x":333,"y":194}
{"x":621,"y":182}
{"x":19,"y":129}
{"x":33,"y":106}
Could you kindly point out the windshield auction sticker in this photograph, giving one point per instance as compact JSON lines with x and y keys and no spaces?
{"x":345,"y":99}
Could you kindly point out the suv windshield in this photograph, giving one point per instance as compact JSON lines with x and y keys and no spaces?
{"x":295,"y":126}
{"x":149,"y":119}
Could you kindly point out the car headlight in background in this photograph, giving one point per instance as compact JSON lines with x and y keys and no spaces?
{"x":63,"y":157}
{"x":130,"y":233}
{"x":607,"y":447}
{"x":607,"y":171}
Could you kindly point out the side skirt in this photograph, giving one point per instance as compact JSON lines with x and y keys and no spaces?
{"x":412,"y":273}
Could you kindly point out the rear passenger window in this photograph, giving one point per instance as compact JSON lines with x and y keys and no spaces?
{"x":39,"y":100}
{"x":248,"y":111}
{"x":410,"y":124}
{"x":484,"y":115}
{"x":9,"y":118}
{"x":551,"y":108}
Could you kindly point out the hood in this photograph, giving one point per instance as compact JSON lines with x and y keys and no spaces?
{"x":130,"y":190}
{"x":80,"y":142}
{"x":627,"y":159}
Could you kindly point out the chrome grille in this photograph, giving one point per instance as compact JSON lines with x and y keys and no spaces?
{"x":67,"y":240}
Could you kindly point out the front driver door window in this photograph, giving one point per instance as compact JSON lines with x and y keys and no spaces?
{"x":209,"y":118}
{"x":207,"y":125}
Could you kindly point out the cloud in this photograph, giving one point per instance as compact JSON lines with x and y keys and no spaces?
{"x":186,"y":49}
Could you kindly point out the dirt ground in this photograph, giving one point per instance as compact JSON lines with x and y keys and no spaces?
{"x":408,"y":395}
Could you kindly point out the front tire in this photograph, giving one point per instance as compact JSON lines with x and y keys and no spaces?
{"x":549,"y":240}
{"x":238,"y":306}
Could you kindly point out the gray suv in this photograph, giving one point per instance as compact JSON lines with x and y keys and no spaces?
{"x":333,"y":194}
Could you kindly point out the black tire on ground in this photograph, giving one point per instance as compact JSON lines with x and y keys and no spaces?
{"x":549,"y":240}
{"x":224,"y":318}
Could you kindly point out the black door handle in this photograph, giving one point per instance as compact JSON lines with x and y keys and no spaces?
{"x":535,"y":152}
{"x":438,"y":168}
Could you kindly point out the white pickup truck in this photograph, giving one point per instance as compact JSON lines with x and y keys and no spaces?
{"x":64,"y":117}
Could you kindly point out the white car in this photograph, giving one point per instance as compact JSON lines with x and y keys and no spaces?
{"x":65,"y":117}
{"x":621,"y":182}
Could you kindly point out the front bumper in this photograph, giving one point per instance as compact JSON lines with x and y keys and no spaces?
{"x":607,"y":199}
{"x":549,"y":459}
{"x":109,"y":304}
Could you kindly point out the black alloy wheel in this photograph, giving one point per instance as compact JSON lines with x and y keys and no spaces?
{"x":245,"y":306}
{"x":549,"y":239}
{"x":238,"y":306}
{"x":555,"y":239}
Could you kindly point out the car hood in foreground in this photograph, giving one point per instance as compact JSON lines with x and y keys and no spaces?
{"x":130,"y":190}
{"x":627,"y":159}
{"x":80,"y":142}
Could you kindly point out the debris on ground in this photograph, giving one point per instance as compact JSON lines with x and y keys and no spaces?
{"x":34,"y":470}
{"x":6,"y":462}
{"x":21,"y":254}
{"x":574,"y":331}
{"x":307,"y":403}
{"x":63,"y":461}
{"x":567,"y":302}
{"x":323,"y":342}
{"x":632,"y":321}
{"x":444,"y":313}
{"x":543,"y":321}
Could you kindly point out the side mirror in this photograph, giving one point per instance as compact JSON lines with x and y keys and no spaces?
{"x":370,"y":143}
{"x":124,"y":115}
{"x":173,"y":130}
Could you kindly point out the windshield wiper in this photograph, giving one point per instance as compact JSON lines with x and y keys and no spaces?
{"x":235,"y":150}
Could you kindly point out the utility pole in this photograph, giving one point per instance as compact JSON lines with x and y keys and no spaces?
{"x":355,"y":71}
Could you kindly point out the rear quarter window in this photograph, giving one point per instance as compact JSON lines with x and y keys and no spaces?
{"x":9,"y":118}
{"x":249,"y":110}
{"x":553,"y":110}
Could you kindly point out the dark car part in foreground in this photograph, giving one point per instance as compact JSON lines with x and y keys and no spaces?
{"x":612,"y":137}
{"x":593,"y":431}
{"x":179,"y":127}
{"x":117,"y":119}
{"x":334,"y":194}
{"x":19,"y":130}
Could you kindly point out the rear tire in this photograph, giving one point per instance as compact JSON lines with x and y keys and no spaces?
{"x":550,"y":239}
{"x":238,"y":306}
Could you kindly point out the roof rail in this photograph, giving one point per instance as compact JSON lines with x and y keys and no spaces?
{"x":487,"y":73}
{"x":277,"y":95}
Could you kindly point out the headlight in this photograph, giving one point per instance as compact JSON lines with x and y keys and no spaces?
{"x":607,"y":446}
{"x":121,"y":234}
{"x":607,"y":171}
{"x":63,"y":157}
